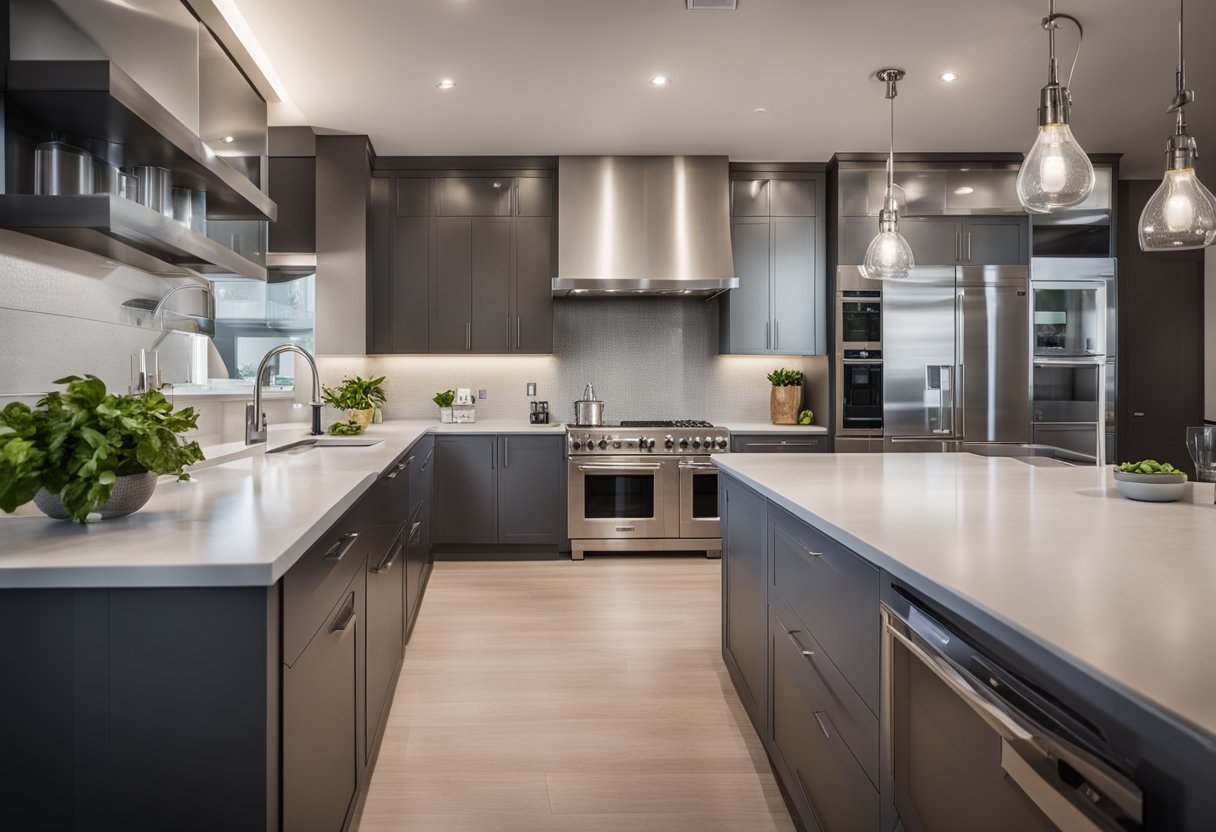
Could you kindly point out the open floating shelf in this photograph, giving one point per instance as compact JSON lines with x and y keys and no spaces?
{"x":125,"y":231}
{"x":96,"y":99}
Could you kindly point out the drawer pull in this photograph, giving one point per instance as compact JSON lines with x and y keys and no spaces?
{"x":414,"y":530}
{"x":343,"y":621}
{"x":808,"y":653}
{"x":824,"y":721}
{"x":814,"y":554}
{"x":399,"y":467}
{"x":387,"y":563}
{"x":341,"y":546}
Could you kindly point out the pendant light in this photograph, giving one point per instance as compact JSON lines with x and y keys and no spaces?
{"x":1056,"y":173}
{"x":889,"y":256}
{"x":1181,"y":213}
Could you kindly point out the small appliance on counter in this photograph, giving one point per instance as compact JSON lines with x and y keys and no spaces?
{"x":464,"y":407}
{"x":538,"y":413}
{"x":589,"y":411}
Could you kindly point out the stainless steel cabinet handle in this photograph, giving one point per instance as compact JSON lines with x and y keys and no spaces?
{"x":506,"y":452}
{"x":824,"y":721}
{"x":968,"y":246}
{"x":517,"y":325}
{"x":399,"y":467}
{"x":1138,"y":413}
{"x":343,"y":621}
{"x":776,"y":335}
{"x":768,"y":335}
{"x":783,"y":444}
{"x":341,"y":546}
{"x":698,"y":466}
{"x":414,"y":530}
{"x":610,"y":468}
{"x":387,"y":563}
{"x":807,"y":653}
{"x":468,"y":335}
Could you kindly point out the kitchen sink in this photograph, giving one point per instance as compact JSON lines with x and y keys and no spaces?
{"x":311,"y":442}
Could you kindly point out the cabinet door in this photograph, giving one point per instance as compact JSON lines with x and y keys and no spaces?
{"x":744,"y":603}
{"x":530,"y":492}
{"x":790,"y":443}
{"x":482,"y":196}
{"x":385,"y":629}
{"x":793,"y":198}
{"x":935,"y":242}
{"x":855,"y":236}
{"x":413,"y":198}
{"x":996,"y":241}
{"x":466,"y":489}
{"x":451,"y":286}
{"x":748,"y":307}
{"x":749,"y":197}
{"x":320,"y":724}
{"x":411,"y":286}
{"x":796,"y":292}
{"x":293,"y":187}
{"x":418,"y":527}
{"x":380,"y":277}
{"x":492,"y":329}
{"x":533,"y":286}
{"x":979,"y":191}
{"x":534,"y":196}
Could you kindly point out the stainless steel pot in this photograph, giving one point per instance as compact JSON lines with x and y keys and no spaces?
{"x":588,"y":411}
{"x":62,"y":169}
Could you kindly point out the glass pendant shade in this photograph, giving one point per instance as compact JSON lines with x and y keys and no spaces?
{"x":1056,"y":174}
{"x":889,"y":256}
{"x":1181,"y":214}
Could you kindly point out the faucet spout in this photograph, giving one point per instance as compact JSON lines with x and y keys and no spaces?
{"x":255,"y":418}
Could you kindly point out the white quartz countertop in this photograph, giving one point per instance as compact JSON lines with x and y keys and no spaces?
{"x":1120,"y":588}
{"x":244,"y":518}
{"x":766,"y":427}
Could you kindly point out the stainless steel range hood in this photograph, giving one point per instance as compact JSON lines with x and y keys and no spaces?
{"x":643,"y":225}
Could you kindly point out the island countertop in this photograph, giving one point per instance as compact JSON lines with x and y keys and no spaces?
{"x":1120,"y":588}
{"x":243,"y":519}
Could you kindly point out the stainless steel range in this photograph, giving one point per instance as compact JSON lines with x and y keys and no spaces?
{"x":644,"y":487}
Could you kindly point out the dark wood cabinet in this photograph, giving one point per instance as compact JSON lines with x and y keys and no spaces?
{"x":451,"y":296}
{"x":744,"y":617}
{"x":532,"y":286}
{"x":466,"y":489}
{"x":418,"y":528}
{"x":385,"y":630}
{"x":531,"y":494}
{"x":491,"y":329}
{"x":293,"y":187}
{"x":321,"y":764}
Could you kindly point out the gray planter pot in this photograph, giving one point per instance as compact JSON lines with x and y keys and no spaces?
{"x":130,"y":494}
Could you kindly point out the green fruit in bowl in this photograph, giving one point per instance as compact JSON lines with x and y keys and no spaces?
{"x":806,"y":417}
{"x":1151,"y":466}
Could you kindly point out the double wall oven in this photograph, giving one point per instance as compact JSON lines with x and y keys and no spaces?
{"x":644,"y":487}
{"x":859,"y":367}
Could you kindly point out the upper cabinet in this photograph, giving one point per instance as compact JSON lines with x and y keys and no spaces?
{"x":945,"y":241}
{"x":778,"y":240}
{"x":462,"y":263}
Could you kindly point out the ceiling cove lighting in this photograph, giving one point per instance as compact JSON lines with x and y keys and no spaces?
{"x":1181,"y":213}
{"x":1056,"y":173}
{"x":889,"y":256}
{"x":446,"y":83}
{"x":660,"y":81}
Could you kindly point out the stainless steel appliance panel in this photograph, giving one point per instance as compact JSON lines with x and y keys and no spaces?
{"x":859,"y":407}
{"x":623,"y":497}
{"x":994,"y":365}
{"x":1069,"y":318}
{"x":919,"y":366}
{"x":699,"y":499}
{"x":858,"y":322}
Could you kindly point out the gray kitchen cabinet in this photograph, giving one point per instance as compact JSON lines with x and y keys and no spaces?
{"x":491,"y":327}
{"x":418,"y":527}
{"x":531,"y":494}
{"x":996,"y":241}
{"x":321,"y":765}
{"x":749,"y":197}
{"x":534,"y":196}
{"x":982,"y":191}
{"x":945,"y":241}
{"x":793,"y":197}
{"x":797,"y":293}
{"x":451,"y":286}
{"x":474,"y":196}
{"x":744,"y":516}
{"x":293,"y":187}
{"x":385,"y":630}
{"x":935,"y":241}
{"x":530,"y":323}
{"x":413,"y":197}
{"x":466,"y":489}
{"x":409,"y":300}
{"x":748,"y":325}
{"x":778,"y":443}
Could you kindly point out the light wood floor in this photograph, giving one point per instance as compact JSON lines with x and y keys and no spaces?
{"x":562,"y":697}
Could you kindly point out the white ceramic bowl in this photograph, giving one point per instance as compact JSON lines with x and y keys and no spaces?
{"x":1151,"y":488}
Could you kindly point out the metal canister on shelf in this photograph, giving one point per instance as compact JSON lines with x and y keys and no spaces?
{"x":155,"y":188}
{"x":110,"y":179}
{"x":190,"y":208}
{"x":62,"y":169}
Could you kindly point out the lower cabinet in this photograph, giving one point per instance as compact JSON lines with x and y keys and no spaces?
{"x":321,"y":765}
{"x":744,"y":645}
{"x":418,"y":528}
{"x":779,"y":443}
{"x":531,"y":494}
{"x":386,"y":593}
{"x":466,"y":489}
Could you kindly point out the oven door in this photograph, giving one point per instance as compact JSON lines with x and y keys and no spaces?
{"x":699,"y":499}
{"x":623,"y":497}
{"x":1069,"y":319}
{"x":859,"y":323}
{"x":860,"y":398}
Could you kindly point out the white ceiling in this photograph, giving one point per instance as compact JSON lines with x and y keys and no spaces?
{"x":572,"y":76}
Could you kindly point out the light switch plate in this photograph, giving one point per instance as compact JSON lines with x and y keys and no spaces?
{"x":531,"y":388}
{"x":481,"y":394}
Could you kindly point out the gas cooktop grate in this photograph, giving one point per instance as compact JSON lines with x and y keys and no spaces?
{"x":676,"y":423}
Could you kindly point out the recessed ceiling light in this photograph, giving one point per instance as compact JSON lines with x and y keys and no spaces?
{"x":964,"y":190}
{"x":760,"y":111}
{"x":446,"y":83}
{"x":229,"y":139}
{"x":948,"y":76}
{"x":660,"y":81}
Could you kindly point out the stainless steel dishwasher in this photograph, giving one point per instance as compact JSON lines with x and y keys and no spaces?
{"x":967,"y":745}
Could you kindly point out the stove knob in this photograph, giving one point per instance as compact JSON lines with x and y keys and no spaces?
{"x":603,"y":444}
{"x":668,"y":442}
{"x":650,"y":443}
{"x":683,"y":442}
{"x":696,"y":441}
{"x":616,"y":444}
{"x":722,"y":443}
{"x":575,"y":444}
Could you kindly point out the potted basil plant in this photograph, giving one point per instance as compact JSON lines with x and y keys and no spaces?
{"x":359,"y":397}
{"x":86,"y":454}
{"x":444,"y":400}
{"x":785,"y":399}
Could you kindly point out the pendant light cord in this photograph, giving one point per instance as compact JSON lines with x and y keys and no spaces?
{"x":1049,"y":23}
{"x":891,"y":150}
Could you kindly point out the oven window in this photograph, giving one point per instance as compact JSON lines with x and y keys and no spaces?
{"x":705,"y":496}
{"x":618,"y":496}
{"x":862,"y":393}
{"x":861,"y":321}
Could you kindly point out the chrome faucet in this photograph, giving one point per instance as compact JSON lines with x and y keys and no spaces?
{"x":255,"y":419}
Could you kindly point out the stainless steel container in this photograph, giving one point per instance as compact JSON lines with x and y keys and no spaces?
{"x":190,"y":208}
{"x":588,"y":411}
{"x":62,"y":169}
{"x":109,"y":179}
{"x":155,"y":189}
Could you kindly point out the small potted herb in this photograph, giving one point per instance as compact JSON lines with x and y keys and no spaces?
{"x":785,"y":399}
{"x":88,"y":454}
{"x":444,"y":400}
{"x":359,"y":397}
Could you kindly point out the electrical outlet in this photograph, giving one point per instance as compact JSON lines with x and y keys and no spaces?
{"x":481,"y":394}
{"x":531,"y":388}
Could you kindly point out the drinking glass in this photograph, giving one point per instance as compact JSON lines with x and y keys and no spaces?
{"x":1201,"y":443}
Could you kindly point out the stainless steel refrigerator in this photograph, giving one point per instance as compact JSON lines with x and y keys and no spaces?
{"x":956,"y":358}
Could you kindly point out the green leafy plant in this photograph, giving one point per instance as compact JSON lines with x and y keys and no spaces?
{"x":445,"y":398}
{"x":355,"y":393}
{"x":1151,"y":466}
{"x":785,"y":378}
{"x":348,"y":428}
{"x":78,"y":442}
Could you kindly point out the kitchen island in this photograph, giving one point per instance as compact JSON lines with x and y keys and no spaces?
{"x":1098,"y":599}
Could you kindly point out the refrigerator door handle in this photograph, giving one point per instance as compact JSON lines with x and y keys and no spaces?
{"x":959,"y":425}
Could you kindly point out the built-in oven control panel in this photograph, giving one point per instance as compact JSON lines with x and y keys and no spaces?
{"x":659,"y":441}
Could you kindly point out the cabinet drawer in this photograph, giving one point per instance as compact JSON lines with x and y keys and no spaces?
{"x":829,"y":786}
{"x":778,"y":443}
{"x":834,"y":592}
{"x":312,"y":586}
{"x":827,"y":687}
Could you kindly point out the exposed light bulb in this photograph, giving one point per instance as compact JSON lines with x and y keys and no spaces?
{"x":1181,"y":214}
{"x":1056,"y":174}
{"x":889,"y":257}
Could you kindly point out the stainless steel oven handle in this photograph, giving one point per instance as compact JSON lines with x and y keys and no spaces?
{"x":1039,"y":782}
{"x":611,"y":468}
{"x":698,"y":466}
